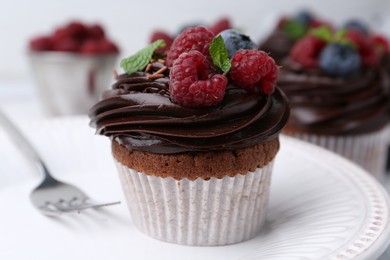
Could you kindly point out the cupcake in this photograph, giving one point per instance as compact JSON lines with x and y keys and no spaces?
{"x":339,"y":93}
{"x":193,"y":144}
{"x":286,"y":32}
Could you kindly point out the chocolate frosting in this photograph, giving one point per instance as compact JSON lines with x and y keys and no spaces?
{"x":278,"y":45}
{"x":138,"y":113}
{"x":335,"y":106}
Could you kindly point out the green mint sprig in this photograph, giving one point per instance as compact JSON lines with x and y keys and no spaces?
{"x":323,"y":32}
{"x":140,"y":60}
{"x":294,"y":29}
{"x":341,"y":38}
{"x":219,"y":54}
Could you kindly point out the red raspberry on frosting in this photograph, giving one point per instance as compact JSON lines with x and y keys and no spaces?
{"x":221,"y":25}
{"x":307,"y":50}
{"x":365,"y":47}
{"x":254,"y":71}
{"x":198,"y":38}
{"x":193,"y":83}
{"x":382,"y":45}
{"x":161,"y":35}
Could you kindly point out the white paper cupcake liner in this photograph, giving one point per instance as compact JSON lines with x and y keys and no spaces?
{"x":367,"y":150}
{"x":200,"y":213}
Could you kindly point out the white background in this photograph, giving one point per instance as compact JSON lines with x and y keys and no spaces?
{"x":130,"y":22}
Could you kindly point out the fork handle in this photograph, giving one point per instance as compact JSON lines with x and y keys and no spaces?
{"x":23,"y":144}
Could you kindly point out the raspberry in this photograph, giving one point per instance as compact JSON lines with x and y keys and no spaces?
{"x":67,"y":45}
{"x":77,"y":30}
{"x":107,"y":46}
{"x":357,"y":26}
{"x":96,"y":32}
{"x":364,"y":45}
{"x":61,"y":34}
{"x":193,"y":83}
{"x":157,"y":35}
{"x":90,"y":47}
{"x":41,"y":44}
{"x":306,"y":51}
{"x":254,"y":71}
{"x":281,"y":22}
{"x":220,"y":25}
{"x":103,"y":46}
{"x":381,"y":43}
{"x":76,"y":37}
{"x":198,"y":38}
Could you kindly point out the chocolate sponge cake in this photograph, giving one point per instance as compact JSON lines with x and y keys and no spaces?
{"x":205,"y":165}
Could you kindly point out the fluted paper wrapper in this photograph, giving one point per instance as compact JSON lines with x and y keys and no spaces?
{"x":367,"y":150}
{"x":201,"y":212}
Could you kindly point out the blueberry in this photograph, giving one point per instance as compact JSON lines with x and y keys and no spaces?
{"x":357,"y":25}
{"x":304,"y":17}
{"x":234,"y":41}
{"x":339,"y":60}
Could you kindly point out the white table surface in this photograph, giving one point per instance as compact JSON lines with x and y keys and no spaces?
{"x":20,"y":101}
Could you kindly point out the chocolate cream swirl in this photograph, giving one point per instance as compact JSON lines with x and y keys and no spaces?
{"x":278,"y":45}
{"x":138,"y":113}
{"x":335,"y":106}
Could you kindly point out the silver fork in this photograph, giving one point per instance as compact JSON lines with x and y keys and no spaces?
{"x":51,"y":197}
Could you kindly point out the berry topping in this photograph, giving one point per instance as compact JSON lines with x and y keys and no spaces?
{"x":67,"y":45}
{"x":298,"y":26}
{"x":220,"y":25}
{"x":95,"y":32}
{"x":339,"y":60}
{"x":160,"y":35}
{"x":304,"y":17}
{"x":75,"y":37}
{"x":94,"y":47}
{"x":381,"y":43}
{"x":356,"y":25}
{"x":364,"y":45}
{"x":77,"y":30}
{"x":193,"y":83}
{"x":198,"y":38}
{"x":254,"y":71}
{"x":184,"y":27}
{"x":234,"y":41}
{"x":42,"y":43}
{"x":306,"y":51}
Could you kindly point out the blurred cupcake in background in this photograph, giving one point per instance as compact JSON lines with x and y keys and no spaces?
{"x":383,"y":46}
{"x":287,"y":31}
{"x":72,"y":66}
{"x":339,"y":94}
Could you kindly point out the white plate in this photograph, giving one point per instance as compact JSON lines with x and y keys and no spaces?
{"x":321,"y":207}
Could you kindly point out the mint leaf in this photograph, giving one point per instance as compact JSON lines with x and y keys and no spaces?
{"x":219,"y":54}
{"x":294,"y":29}
{"x":341,"y":38}
{"x":340,"y":35}
{"x":140,"y":60}
{"x":324,"y":33}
